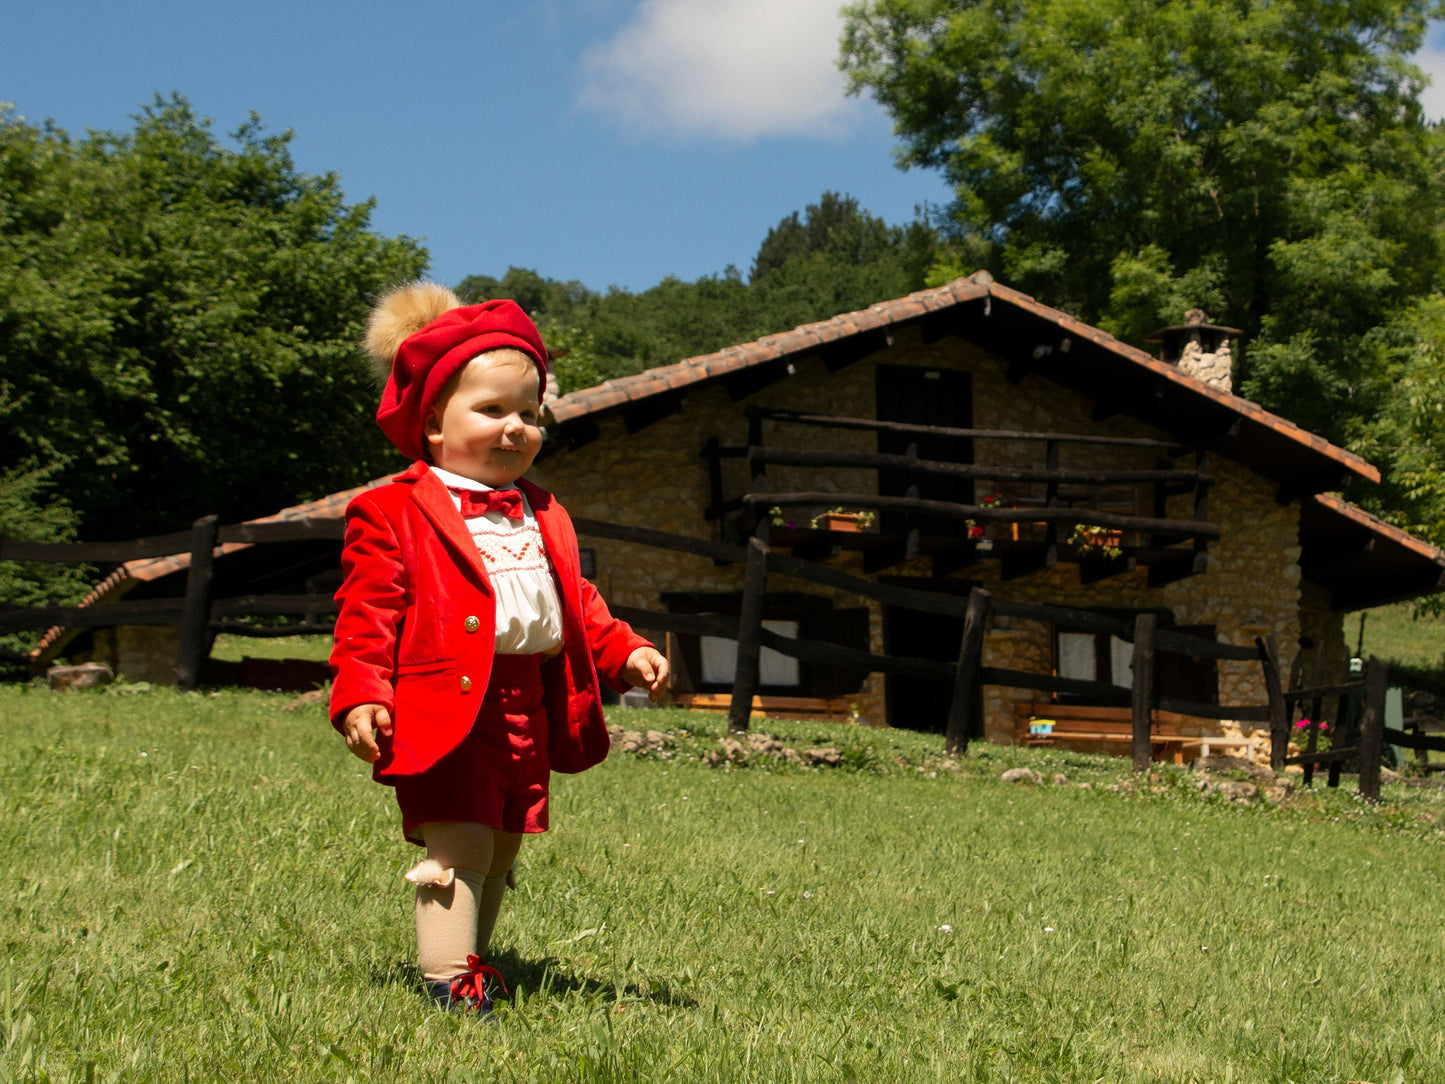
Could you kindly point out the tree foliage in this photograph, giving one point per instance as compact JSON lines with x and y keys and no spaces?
{"x":1125,"y":159}
{"x":27,"y":514}
{"x":179,"y":319}
{"x":835,"y":257}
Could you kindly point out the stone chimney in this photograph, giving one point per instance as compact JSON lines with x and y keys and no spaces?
{"x":1199,"y":348}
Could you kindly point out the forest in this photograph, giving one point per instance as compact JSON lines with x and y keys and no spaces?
{"x":179,"y":310}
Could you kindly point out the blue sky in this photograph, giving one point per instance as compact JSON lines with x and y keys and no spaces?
{"x":611,"y":141}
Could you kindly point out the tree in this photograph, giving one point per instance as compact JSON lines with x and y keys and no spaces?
{"x":1265,"y":160}
{"x":835,"y":258}
{"x":179,"y":320}
{"x":28,"y":513}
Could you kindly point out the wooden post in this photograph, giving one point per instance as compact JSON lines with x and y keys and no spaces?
{"x":197,"y":611}
{"x":965,"y":682}
{"x":750,"y":623}
{"x":1051,"y":499}
{"x":1342,"y":714}
{"x":1372,"y":729}
{"x":1143,"y":703}
{"x":913,"y":541}
{"x":1274,"y":690}
{"x":1317,"y":708}
{"x":1201,"y":497}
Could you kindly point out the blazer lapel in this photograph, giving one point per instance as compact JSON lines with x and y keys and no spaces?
{"x":557,"y":536}
{"x":433,"y":499}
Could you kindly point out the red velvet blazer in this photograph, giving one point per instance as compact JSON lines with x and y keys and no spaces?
{"x":417,"y":627}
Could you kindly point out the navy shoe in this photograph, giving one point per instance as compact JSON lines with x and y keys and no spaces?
{"x":467,"y":993}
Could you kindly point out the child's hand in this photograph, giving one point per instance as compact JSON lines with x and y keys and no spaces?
{"x":359,"y":726}
{"x":647,"y":669}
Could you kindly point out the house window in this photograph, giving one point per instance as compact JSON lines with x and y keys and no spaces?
{"x":708,"y":664}
{"x":720,"y":659}
{"x":1091,"y":656}
{"x":1098,"y":656}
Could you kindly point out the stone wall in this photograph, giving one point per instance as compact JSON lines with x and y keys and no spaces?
{"x":658,"y":478}
{"x":138,"y":652}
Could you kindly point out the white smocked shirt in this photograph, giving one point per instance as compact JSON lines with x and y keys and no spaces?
{"x":529,"y":613}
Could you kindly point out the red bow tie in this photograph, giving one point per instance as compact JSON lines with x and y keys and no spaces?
{"x":474,"y":503}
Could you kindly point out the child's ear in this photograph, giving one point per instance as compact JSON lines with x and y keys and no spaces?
{"x":431,"y":426}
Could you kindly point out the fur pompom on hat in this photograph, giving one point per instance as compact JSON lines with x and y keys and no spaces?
{"x":420,"y":335}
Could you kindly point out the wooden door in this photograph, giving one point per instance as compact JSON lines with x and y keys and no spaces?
{"x":937,"y":397}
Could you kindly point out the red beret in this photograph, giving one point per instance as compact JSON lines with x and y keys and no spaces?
{"x":426,"y":360}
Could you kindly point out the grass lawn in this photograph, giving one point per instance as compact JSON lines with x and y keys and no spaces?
{"x":208,"y":887}
{"x":1396,"y":635}
{"x":230,"y":648}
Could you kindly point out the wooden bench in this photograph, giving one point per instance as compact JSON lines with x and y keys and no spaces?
{"x":1115,"y":726}
{"x":831,"y":708}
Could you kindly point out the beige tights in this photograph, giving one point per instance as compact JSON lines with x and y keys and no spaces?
{"x":456,"y":919}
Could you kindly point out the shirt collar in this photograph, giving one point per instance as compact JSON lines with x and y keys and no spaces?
{"x":458,"y":481}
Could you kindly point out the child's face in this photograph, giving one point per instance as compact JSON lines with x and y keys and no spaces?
{"x":483,"y":425}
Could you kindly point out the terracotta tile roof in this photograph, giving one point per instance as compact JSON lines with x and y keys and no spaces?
{"x":1375,"y":525}
{"x":1362,"y":560}
{"x":615,"y":394}
{"x":332,"y":506}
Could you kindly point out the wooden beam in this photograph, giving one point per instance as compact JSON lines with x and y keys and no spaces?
{"x":646,"y":536}
{"x":1065,"y":617}
{"x":1278,"y":708}
{"x":251,"y":605}
{"x":830,"y":421}
{"x":961,"y":725}
{"x":139,"y":549}
{"x":937,"y":602}
{"x":1142,"y":698}
{"x":1248,"y":713}
{"x":750,"y":624}
{"x":151,"y":611}
{"x":1372,"y":729}
{"x":1197,"y":647}
{"x":194,"y":640}
{"x":308,"y":529}
{"x":948,"y":509}
{"x":1102,"y":691}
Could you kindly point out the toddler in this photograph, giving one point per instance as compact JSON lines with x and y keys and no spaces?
{"x":468,"y":645}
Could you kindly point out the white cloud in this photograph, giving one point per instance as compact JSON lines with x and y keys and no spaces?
{"x":1432,"y":60}
{"x":735,"y":69}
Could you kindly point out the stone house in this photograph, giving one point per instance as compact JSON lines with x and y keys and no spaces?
{"x":1178,"y":498}
{"x":665,"y":450}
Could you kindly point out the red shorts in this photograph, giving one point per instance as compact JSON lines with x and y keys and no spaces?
{"x":498,"y":775}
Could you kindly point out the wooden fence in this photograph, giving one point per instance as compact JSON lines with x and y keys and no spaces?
{"x":1358,"y":731}
{"x":1151,"y":540}
{"x":200,"y":615}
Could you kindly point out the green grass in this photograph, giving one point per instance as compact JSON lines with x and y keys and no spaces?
{"x":1396,"y":635}
{"x":230,"y":648}
{"x":207,"y":887}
